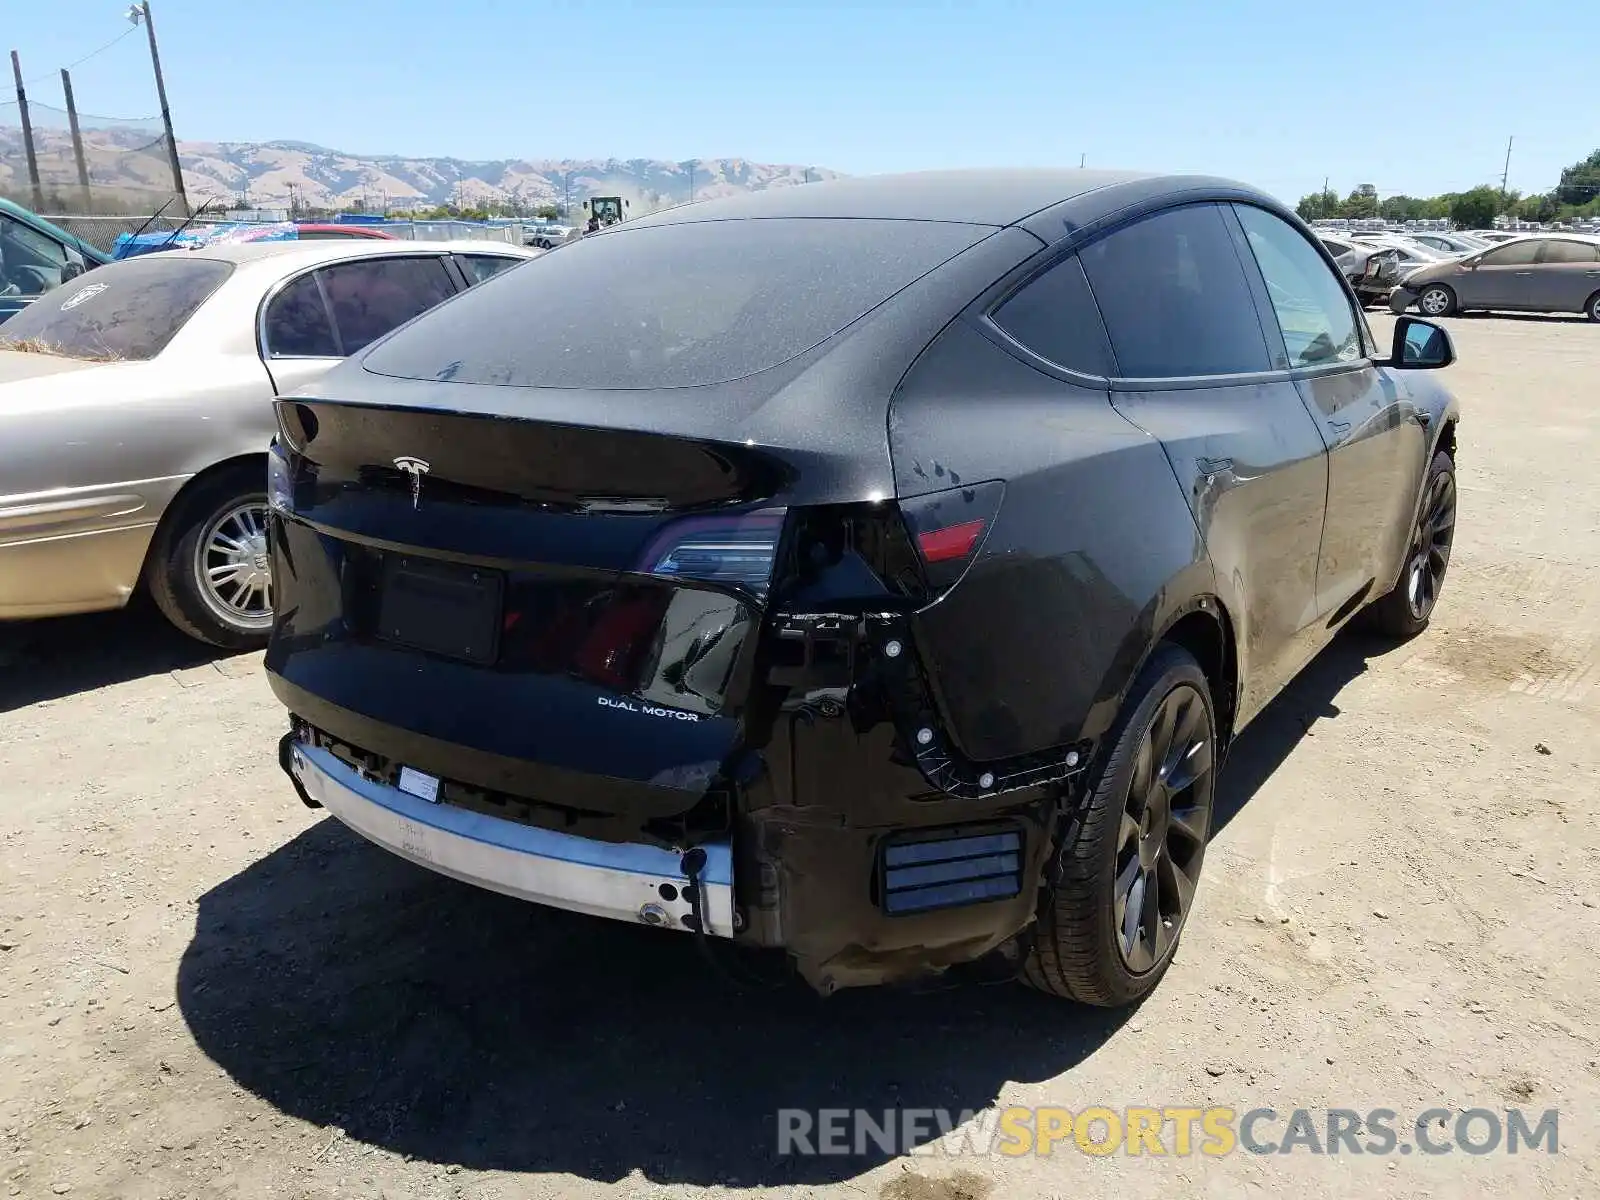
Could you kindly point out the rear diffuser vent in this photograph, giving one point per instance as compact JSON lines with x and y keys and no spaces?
{"x":951,"y":867}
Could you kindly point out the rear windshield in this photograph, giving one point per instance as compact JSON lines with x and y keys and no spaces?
{"x":670,"y":306}
{"x":123,"y":311}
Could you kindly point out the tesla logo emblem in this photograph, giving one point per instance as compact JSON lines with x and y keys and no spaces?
{"x":416,"y":468}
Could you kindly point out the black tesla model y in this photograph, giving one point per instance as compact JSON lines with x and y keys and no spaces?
{"x":878,"y":569}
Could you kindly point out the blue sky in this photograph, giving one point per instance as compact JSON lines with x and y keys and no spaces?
{"x":1281,"y":95}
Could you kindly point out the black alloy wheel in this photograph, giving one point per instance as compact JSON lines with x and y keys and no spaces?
{"x":1123,"y":886}
{"x":1162,"y":840}
{"x":1405,"y":610}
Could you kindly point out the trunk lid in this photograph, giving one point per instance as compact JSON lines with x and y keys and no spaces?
{"x":563,"y":613}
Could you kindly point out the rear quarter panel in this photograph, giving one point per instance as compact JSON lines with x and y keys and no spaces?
{"x":1093,"y":553}
{"x":91,"y":459}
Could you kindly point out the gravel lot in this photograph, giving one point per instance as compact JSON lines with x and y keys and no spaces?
{"x":207,"y":990}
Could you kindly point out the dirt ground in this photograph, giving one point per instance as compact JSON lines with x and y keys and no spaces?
{"x":208,"y":990}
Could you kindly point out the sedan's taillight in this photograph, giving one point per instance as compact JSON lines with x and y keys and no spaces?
{"x":735,"y":550}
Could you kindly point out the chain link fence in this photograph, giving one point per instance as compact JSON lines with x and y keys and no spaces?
{"x":127,"y":163}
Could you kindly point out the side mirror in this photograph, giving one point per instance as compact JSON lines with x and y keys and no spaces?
{"x":1420,"y":346}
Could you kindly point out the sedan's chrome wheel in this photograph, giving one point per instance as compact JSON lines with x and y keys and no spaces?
{"x":232,"y":568}
{"x":1434,"y":302}
{"x":1165,"y":820}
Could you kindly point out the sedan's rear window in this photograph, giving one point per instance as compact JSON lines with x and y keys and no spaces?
{"x":670,"y":306}
{"x":123,"y":311}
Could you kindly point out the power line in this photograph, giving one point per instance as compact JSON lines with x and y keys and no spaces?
{"x":88,"y":56}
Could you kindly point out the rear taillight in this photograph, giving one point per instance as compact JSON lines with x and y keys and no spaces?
{"x":949,"y":527}
{"x":737,"y":550}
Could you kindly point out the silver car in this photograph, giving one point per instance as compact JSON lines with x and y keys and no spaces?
{"x":136,"y":410}
{"x":1540,"y":273}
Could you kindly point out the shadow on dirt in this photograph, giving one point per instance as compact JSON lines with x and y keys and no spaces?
{"x":1292,"y":715}
{"x":46,"y":660}
{"x":353,"y":990}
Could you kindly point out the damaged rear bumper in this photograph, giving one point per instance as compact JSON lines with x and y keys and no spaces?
{"x":625,"y":882}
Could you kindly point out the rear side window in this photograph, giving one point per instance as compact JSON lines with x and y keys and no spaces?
{"x":483,"y":266}
{"x":125,"y":311}
{"x":298,"y":325}
{"x":673,"y":305}
{"x":1054,"y":316}
{"x":1569,"y":252}
{"x":1174,"y":297}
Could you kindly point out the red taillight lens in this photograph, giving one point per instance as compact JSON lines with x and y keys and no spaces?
{"x":735,"y":549}
{"x":950,"y":526}
{"x":952,"y":542}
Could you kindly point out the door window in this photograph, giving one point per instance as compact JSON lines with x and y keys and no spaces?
{"x":1513,"y":254}
{"x":1174,"y":297}
{"x":1319,"y":326}
{"x":1557,"y":251}
{"x":1054,"y":316}
{"x":30,"y":263}
{"x":484,"y":266}
{"x":372,"y":296}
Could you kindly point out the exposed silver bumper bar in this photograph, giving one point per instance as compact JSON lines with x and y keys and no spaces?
{"x":625,"y":882}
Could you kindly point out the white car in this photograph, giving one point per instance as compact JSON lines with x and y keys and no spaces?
{"x":136,"y":411}
{"x":1450,"y":243}
{"x":547,"y":237}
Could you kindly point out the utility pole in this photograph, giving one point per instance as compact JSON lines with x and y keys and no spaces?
{"x":691,"y":173}
{"x":140,"y":11}
{"x":77,"y":141}
{"x":27,"y":132}
{"x":1082,"y":158}
{"x":1506,"y":174}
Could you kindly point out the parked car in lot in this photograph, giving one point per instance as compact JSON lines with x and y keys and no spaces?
{"x":1451,"y":243}
{"x":1530,"y":274}
{"x":136,"y":407}
{"x":312,"y":231}
{"x":895,"y":603}
{"x":36,"y":255}
{"x":548,"y":237}
{"x":1371,"y":270}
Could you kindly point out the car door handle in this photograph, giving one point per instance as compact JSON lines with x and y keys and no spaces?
{"x":1524,"y":272}
{"x":1339,"y":426}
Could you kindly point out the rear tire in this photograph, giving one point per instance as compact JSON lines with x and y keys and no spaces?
{"x":1436,"y":300}
{"x":1406,"y":609}
{"x":218,"y":524}
{"x":1591,"y":307}
{"x":1123,"y":867}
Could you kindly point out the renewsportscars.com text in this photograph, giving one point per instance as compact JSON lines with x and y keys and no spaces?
{"x":1168,"y":1130}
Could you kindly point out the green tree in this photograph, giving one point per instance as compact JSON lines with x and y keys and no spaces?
{"x":1475,"y":209}
{"x":1538,"y":208}
{"x":1359,"y":204}
{"x":1318,"y":206}
{"x":547,"y":212}
{"x":1402,"y":208}
{"x":1580,"y":183}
